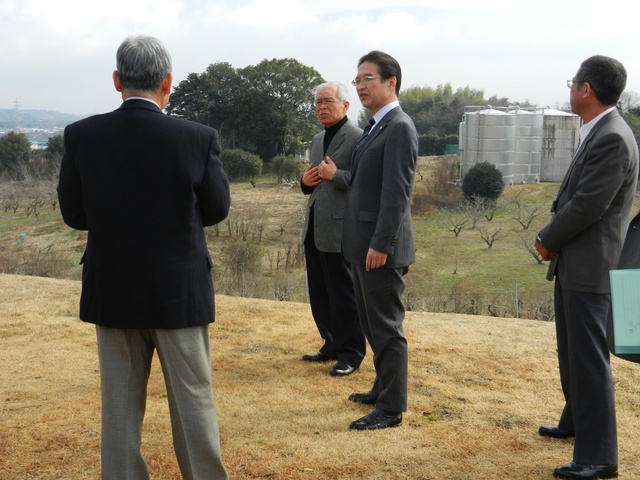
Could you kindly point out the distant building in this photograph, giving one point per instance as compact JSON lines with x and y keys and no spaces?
{"x":528,"y":145}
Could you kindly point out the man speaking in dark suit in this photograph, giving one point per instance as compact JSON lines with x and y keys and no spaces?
{"x":328,"y":274}
{"x":144,"y":185}
{"x":583,"y":241}
{"x":378,"y":234}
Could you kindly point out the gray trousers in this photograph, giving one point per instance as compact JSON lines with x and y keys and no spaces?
{"x":125,"y":362}
{"x":585,"y":375}
{"x":379,"y":300}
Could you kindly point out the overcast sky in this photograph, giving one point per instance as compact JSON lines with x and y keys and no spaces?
{"x":59,"y":54}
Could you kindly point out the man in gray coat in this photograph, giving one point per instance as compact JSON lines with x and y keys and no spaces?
{"x":328,"y":273}
{"x":583,"y":241}
{"x":378,"y":234}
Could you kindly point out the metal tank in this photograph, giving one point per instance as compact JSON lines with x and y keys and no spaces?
{"x":527,"y":145}
{"x":560,"y":141}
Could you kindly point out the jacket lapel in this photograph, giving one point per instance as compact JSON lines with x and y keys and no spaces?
{"x":336,"y":142}
{"x":375,"y":131}
{"x":579,"y":153}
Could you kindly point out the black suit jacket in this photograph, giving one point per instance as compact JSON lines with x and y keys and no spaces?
{"x":143,"y":184}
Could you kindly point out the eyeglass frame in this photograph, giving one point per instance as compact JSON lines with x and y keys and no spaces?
{"x":327,"y":101}
{"x":574,"y":81}
{"x":366,"y":79}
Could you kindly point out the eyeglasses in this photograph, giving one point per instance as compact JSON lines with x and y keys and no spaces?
{"x":328,"y":101}
{"x":570,"y":83}
{"x":364,"y":80}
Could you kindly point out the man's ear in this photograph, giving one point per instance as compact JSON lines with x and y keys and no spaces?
{"x":392,"y":83}
{"x":116,"y":81}
{"x":166,"y":83}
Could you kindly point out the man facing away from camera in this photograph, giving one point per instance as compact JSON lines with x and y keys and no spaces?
{"x":583,"y":242}
{"x":144,"y":185}
{"x":329,"y":277}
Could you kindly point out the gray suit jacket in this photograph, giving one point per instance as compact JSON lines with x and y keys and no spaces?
{"x":378,"y":208}
{"x":327,"y":199}
{"x":593,"y":206}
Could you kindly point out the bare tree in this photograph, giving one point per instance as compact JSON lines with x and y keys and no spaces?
{"x":529,"y":244}
{"x":476,"y":207}
{"x":454,"y":220}
{"x":526,"y":212}
{"x":9,"y":196}
{"x":628,"y":100}
{"x":490,"y":237}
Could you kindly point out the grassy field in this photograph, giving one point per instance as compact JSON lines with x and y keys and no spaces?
{"x":479,"y":387}
{"x":257,"y":251}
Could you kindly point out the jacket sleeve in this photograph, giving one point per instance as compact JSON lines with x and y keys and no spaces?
{"x":70,"y":189}
{"x":399,"y":162}
{"x":213,"y":193}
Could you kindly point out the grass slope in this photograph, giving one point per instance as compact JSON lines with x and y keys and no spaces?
{"x":479,"y":387}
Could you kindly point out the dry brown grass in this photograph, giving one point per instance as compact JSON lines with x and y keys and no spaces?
{"x":478,"y":389}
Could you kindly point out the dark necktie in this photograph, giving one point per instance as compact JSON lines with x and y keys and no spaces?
{"x":365,"y":132}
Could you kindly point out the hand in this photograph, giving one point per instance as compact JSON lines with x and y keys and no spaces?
{"x":375,"y":259}
{"x":327,"y":169}
{"x":546,"y":254}
{"x":310,"y":177}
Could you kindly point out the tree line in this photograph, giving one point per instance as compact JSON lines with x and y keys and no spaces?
{"x":268,"y":110}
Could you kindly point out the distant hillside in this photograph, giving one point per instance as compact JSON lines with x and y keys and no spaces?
{"x":10,"y":119}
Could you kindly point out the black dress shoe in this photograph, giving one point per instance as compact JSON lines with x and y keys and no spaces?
{"x":581,"y":471}
{"x":377,"y":419}
{"x":366,"y":398}
{"x":554,"y":432}
{"x":317,"y":357}
{"x":342,"y":369}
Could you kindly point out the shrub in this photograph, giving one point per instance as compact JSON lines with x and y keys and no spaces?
{"x":286,"y":168}
{"x":241,"y":165}
{"x":483,"y":181}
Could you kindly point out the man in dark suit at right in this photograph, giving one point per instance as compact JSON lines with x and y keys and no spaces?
{"x":378,"y":234}
{"x":583,"y":241}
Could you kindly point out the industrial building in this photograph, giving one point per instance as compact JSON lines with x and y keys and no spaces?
{"x":528,"y":145}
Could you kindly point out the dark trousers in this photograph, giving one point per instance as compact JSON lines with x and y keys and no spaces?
{"x":333,"y":304}
{"x":585,"y":374}
{"x":379,"y":300}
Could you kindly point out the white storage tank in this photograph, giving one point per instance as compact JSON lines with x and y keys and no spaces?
{"x":561,"y":139}
{"x":527,"y":145}
{"x":488,"y":137}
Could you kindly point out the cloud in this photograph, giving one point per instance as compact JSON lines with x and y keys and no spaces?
{"x":273,"y":14}
{"x":59,"y":54}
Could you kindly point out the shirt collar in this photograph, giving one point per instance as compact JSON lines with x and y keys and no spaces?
{"x":384,"y":110}
{"x":142,"y":98}
{"x":587,"y":127}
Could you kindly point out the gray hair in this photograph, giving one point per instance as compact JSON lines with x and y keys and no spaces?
{"x":341,"y":90}
{"x":142,"y":62}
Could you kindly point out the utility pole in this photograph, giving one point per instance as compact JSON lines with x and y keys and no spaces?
{"x":16,"y":107}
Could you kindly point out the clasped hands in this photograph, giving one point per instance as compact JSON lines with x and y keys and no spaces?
{"x":545,"y":253}
{"x":314,"y":174}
